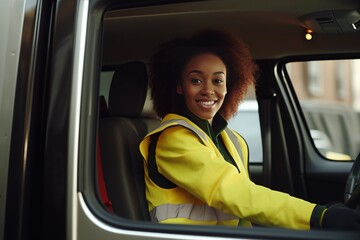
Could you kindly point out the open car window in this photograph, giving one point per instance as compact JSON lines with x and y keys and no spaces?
{"x":131,"y":36}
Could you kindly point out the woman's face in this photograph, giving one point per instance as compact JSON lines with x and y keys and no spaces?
{"x":203,"y":85}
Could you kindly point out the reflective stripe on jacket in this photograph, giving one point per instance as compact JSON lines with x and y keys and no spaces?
{"x":208,"y":189}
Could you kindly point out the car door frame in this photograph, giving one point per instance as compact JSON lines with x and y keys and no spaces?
{"x":319,"y":175}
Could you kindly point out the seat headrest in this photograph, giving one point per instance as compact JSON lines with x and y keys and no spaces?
{"x":128,"y":89}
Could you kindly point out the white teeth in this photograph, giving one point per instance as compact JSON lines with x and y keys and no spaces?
{"x":208,"y":103}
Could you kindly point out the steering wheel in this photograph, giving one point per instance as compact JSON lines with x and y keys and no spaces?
{"x":352,"y":188}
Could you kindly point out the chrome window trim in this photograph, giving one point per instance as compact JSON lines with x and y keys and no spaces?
{"x":118,"y":233}
{"x":74,"y":126}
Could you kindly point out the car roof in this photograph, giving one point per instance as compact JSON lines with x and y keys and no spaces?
{"x":272,"y":28}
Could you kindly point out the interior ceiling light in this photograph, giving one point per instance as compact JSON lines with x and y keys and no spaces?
{"x":309,"y":35}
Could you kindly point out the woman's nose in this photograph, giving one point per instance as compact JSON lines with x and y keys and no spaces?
{"x":208,"y":90}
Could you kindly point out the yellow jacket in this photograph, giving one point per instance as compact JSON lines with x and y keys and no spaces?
{"x":208,"y":190}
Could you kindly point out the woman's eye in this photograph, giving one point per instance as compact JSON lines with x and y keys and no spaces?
{"x":218,"y":81}
{"x":195,"y":80}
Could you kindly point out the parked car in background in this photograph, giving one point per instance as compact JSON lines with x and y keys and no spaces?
{"x":74,"y":105}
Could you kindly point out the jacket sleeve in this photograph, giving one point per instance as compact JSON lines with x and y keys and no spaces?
{"x":200,"y":170}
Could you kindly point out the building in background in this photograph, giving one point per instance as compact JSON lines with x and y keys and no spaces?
{"x":335,"y":82}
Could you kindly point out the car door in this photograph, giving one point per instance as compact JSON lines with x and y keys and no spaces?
{"x":27,"y":55}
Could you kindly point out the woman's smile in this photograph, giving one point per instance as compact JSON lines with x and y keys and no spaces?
{"x":207,"y":103}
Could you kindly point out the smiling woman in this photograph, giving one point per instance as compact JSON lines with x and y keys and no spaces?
{"x":175,"y":55}
{"x":193,"y":174}
{"x":203,"y":85}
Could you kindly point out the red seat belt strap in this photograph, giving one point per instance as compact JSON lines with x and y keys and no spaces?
{"x":101,"y":182}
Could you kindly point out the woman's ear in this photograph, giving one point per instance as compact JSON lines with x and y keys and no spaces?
{"x":179,"y":89}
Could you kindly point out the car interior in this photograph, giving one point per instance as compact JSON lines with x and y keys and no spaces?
{"x":275,"y":33}
{"x":121,"y":130}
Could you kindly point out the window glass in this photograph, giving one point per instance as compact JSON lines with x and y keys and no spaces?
{"x":315,"y":80}
{"x":247,"y":124}
{"x":329,"y":94}
{"x":342,"y":69}
{"x":105,"y":82}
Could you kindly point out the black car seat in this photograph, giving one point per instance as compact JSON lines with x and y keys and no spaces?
{"x":120,"y":133}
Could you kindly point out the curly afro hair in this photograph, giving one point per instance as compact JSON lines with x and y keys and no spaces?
{"x":168,"y":63}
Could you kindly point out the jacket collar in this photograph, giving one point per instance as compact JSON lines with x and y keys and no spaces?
{"x":214,"y":130}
